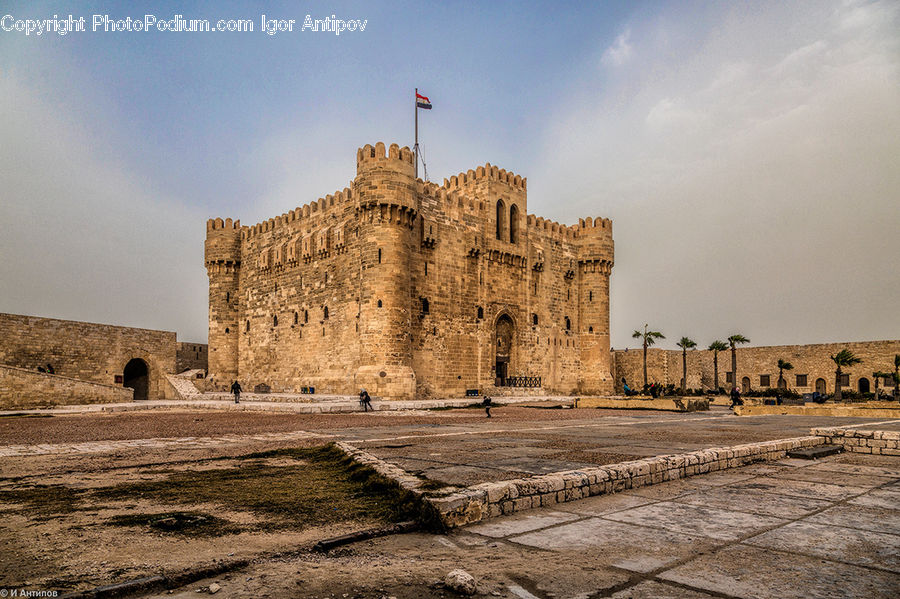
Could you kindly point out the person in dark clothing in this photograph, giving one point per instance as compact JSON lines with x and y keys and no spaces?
{"x":487,"y":405}
{"x":628,"y":390}
{"x":736,"y":397}
{"x":236,"y":389}
{"x":50,"y":369}
{"x":365,"y":401}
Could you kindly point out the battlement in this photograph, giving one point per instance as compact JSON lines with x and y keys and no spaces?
{"x":486,"y":172}
{"x":214,"y":224}
{"x":549,"y":228}
{"x":312,"y":210}
{"x":371,"y":154}
{"x":589,"y":226}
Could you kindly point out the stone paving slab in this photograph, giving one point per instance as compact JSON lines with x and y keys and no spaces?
{"x":752,"y":573}
{"x":618,"y":544}
{"x":603,"y":504}
{"x":887,"y":498}
{"x":864,"y":518}
{"x":522,"y":523}
{"x":755,"y":502}
{"x":650,"y":589}
{"x":698,"y":520}
{"x":860,"y":547}
{"x":799,"y":488}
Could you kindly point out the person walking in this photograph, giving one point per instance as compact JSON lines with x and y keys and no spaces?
{"x":487,"y":405}
{"x":236,"y":389}
{"x":736,"y":397}
{"x":365,"y":401}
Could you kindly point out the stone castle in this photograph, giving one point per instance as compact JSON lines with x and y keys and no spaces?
{"x":411,"y":289}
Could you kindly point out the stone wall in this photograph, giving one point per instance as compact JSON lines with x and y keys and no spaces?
{"x":409,"y":288}
{"x":85,"y":351}
{"x":877,"y":442}
{"x":191,"y":356}
{"x":23,"y":389}
{"x":754,"y":363}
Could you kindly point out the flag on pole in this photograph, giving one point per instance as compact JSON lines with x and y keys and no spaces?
{"x":422,"y":102}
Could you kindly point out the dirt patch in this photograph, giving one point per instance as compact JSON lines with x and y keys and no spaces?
{"x":94,"y":528}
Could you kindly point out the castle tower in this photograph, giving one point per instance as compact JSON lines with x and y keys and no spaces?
{"x":386,"y":210}
{"x":595,"y":248}
{"x":223,"y":266}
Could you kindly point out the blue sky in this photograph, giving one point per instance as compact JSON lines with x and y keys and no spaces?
{"x":747,"y":152}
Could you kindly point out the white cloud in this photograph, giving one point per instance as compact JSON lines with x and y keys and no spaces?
{"x":617,"y":54}
{"x":753,"y":177}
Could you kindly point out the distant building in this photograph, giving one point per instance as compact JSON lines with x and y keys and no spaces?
{"x":757,"y":367}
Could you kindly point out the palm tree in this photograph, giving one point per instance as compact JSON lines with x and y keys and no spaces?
{"x":782,"y":366}
{"x":897,"y":377}
{"x":878,"y":375}
{"x":649,"y":338}
{"x":734,"y":341}
{"x":685,"y":344}
{"x":715,"y":347}
{"x":842,"y":359}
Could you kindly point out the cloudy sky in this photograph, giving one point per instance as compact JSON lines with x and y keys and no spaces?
{"x":748,"y":153}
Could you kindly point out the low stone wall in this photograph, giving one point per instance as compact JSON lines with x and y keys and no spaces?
{"x":488,"y":500}
{"x":21,"y":389}
{"x":877,"y":442}
{"x":876,"y":409}
{"x":670,"y":404}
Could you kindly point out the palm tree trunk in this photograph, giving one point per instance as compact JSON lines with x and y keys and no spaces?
{"x":645,"y":363}
{"x":838,"y":396}
{"x":684,"y":372}
{"x":734,"y":379}
{"x":716,"y":369}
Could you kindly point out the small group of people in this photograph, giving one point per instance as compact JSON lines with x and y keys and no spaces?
{"x":48,"y":369}
{"x":653,"y":390}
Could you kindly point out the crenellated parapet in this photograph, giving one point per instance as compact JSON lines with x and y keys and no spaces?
{"x":385,"y":187}
{"x":549,"y":229}
{"x":487,"y":172}
{"x":593,"y":238}
{"x":312,"y":213}
{"x":223,"y":243}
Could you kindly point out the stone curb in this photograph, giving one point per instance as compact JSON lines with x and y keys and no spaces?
{"x":873,"y":442}
{"x":488,"y":500}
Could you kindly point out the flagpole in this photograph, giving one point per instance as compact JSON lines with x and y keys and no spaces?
{"x":416,"y":146}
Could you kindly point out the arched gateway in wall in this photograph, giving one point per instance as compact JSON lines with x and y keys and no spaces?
{"x":505,"y":334}
{"x":137,"y":377}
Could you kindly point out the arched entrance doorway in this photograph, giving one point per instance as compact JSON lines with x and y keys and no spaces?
{"x":820,"y":386}
{"x":505,"y":330}
{"x":745,"y":384}
{"x":863,"y":385}
{"x":136,"y":376}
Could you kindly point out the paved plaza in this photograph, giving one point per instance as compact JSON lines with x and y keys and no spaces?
{"x":791,"y":528}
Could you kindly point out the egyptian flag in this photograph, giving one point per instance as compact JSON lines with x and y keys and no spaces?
{"x":422,"y":102}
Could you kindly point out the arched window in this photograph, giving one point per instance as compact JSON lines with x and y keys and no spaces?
{"x":513,"y":224}
{"x":227,"y":296}
{"x":325,"y":312}
{"x":425,"y":305}
{"x":379,"y":255}
{"x":590,"y":296}
{"x":501,"y":219}
{"x":534,"y":319}
{"x":248,"y":326}
{"x":275,"y":320}
{"x":480,"y":312}
{"x":227,"y":330}
{"x":568,"y":324}
{"x":296,"y":318}
{"x":590,"y":329}
{"x":379,"y":303}
{"x":305,"y":316}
